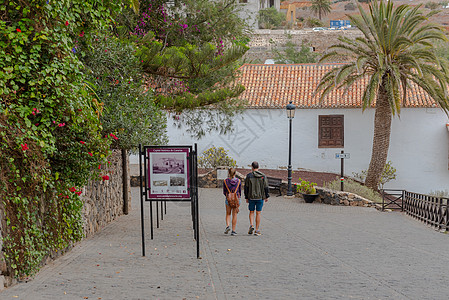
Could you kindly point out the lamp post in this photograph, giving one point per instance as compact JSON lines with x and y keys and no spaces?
{"x":290,"y":115}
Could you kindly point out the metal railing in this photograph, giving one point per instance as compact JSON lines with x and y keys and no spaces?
{"x":431,"y":210}
{"x":392,"y":199}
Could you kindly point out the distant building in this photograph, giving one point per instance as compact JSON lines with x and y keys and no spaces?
{"x":252,"y":7}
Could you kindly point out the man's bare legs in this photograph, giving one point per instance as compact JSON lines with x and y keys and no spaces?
{"x":251,"y":218}
{"x":258,"y":213}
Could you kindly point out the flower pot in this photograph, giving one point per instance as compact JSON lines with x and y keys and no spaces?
{"x":309,"y":198}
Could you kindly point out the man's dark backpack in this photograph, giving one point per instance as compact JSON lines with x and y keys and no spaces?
{"x":232,"y":198}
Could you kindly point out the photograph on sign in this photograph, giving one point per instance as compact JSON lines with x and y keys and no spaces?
{"x":168,"y":173}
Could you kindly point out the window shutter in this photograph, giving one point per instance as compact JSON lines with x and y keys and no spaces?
{"x":331,"y":131}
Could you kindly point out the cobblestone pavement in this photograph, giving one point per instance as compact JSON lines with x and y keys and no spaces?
{"x":306,"y":251}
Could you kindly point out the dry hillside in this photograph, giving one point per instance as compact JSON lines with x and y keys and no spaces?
{"x":339,"y":13}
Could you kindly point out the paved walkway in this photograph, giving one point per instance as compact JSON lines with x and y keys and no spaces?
{"x":306,"y":251}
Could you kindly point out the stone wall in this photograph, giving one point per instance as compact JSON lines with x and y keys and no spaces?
{"x":325,"y":196}
{"x":332,"y":197}
{"x":263,"y":41}
{"x":103,"y":200}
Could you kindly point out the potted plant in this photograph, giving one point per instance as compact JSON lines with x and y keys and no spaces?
{"x":307,"y":189}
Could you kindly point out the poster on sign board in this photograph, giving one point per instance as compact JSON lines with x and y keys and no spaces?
{"x":168,"y":173}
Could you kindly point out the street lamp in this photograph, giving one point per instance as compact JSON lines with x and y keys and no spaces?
{"x":290,"y":115}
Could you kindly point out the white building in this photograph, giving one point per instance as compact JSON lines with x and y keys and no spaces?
{"x":419,"y":144}
{"x":252,"y":7}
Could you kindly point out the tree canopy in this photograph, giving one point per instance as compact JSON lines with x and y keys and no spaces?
{"x":320,"y":7}
{"x":190,"y":52}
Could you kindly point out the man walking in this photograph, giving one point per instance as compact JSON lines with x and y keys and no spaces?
{"x":256,"y":192}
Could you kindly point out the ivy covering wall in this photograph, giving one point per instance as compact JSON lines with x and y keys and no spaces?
{"x":51,"y":137}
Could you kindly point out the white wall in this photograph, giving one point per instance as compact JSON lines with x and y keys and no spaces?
{"x":418,"y":148}
{"x":251,"y":11}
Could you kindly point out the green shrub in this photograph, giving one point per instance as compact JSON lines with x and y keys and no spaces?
{"x":117,"y":79}
{"x":438,"y":193}
{"x":306,"y":187}
{"x":432,"y":5}
{"x":355,"y":187}
{"x":388,"y":174}
{"x":350,"y":6}
{"x":270,"y":18}
{"x":313,"y":22}
{"x":215,"y":157}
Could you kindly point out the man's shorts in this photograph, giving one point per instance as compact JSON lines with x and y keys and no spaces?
{"x":255,"y":204}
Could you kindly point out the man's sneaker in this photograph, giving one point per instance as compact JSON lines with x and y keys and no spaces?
{"x":257,"y":232}
{"x":251,"y":230}
{"x":233,"y":233}
{"x":227,"y":230}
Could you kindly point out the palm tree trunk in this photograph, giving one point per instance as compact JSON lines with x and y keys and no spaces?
{"x":381,"y":140}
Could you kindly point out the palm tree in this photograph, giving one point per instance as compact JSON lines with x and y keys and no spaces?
{"x":320,"y":7}
{"x":396,"y":49}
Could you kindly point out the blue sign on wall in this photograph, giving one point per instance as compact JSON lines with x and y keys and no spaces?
{"x":339,"y":23}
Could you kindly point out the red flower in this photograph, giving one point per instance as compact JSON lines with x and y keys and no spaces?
{"x":82,"y":142}
{"x":81,"y":34}
{"x":18,"y":30}
{"x":66,"y":23}
{"x":113,"y":136}
{"x":99,"y":167}
{"x":105,"y":177}
{"x":90,"y":154}
{"x":24,"y":147}
{"x":78,"y":193}
{"x":61,"y":124}
{"x":79,"y":109}
{"x":72,"y":189}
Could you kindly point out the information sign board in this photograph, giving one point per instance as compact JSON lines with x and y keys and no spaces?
{"x":168,"y":173}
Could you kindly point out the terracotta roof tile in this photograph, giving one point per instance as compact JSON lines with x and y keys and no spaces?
{"x":273,"y":86}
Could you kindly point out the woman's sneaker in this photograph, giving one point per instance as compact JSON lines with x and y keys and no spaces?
{"x":227,"y":230}
{"x":257,"y":232}
{"x":251,"y":230}
{"x":233,"y":233}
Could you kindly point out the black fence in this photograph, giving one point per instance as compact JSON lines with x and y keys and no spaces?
{"x":431,"y":210}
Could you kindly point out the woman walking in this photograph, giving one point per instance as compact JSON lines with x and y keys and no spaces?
{"x":231,"y":185}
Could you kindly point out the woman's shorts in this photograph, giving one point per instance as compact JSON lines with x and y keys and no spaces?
{"x":255,"y":204}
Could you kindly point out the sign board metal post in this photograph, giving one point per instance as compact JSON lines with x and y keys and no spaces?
{"x":342,"y":176}
{"x":142,"y":215}
{"x":342,"y":156}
